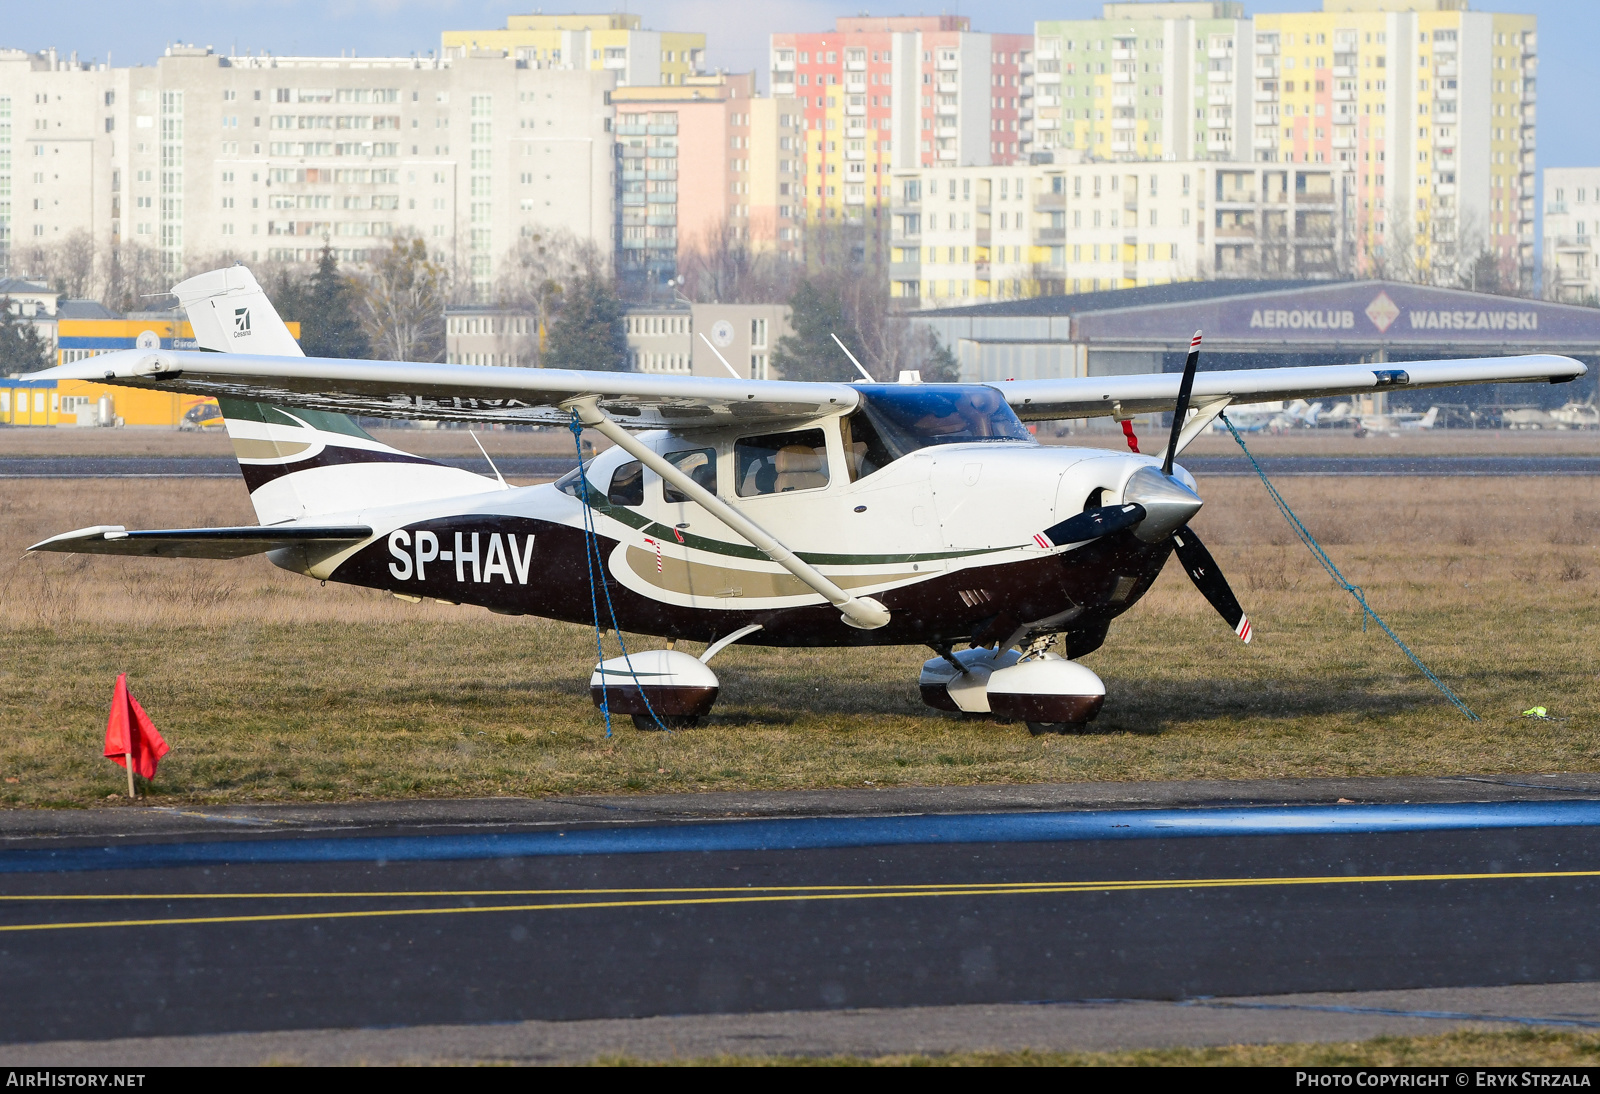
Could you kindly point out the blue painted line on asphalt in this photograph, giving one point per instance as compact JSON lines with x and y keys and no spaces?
{"x":812,"y":833}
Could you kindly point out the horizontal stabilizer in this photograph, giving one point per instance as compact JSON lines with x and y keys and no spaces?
{"x":107,"y":539}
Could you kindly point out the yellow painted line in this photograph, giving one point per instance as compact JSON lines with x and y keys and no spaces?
{"x":770,"y":895}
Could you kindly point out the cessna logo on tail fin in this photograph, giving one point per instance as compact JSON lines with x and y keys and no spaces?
{"x":241,"y":322}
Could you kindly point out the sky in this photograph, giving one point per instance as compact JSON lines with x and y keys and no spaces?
{"x":736,"y":33}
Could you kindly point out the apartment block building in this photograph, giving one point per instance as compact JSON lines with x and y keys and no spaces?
{"x":1432,"y":105}
{"x":701,"y":165}
{"x":616,"y":43}
{"x":977,"y":235}
{"x":1146,"y":81}
{"x":902,"y":91}
{"x":203,"y":157}
{"x":1571,"y":225}
{"x":665,"y":338}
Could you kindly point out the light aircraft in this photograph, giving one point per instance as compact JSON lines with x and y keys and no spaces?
{"x":1576,"y":415}
{"x":1271,"y":417}
{"x":767,"y":512}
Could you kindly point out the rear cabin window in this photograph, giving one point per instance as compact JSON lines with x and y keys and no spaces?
{"x":700,"y":464}
{"x":777,"y":463}
{"x":627,"y":485}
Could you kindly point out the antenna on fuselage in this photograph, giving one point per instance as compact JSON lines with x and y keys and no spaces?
{"x":721,"y":358}
{"x":864,"y":373}
{"x":504,"y":485}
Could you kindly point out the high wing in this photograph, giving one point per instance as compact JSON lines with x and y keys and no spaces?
{"x":474,"y":393}
{"x":111,"y":539}
{"x":399,"y":389}
{"x":1088,"y":397}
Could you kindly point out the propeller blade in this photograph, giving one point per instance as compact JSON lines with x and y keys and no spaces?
{"x":1091,"y":524}
{"x":1207,"y":577}
{"x":1179,"y":412}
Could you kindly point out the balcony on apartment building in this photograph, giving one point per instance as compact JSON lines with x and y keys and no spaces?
{"x":1123,"y":55}
{"x":1047,"y":77}
{"x":1342,"y":94}
{"x":1265,"y":96}
{"x":1043,"y":237}
{"x":854,"y":110}
{"x":1571,"y":244}
{"x":947,"y":63}
{"x":855,"y":66}
{"x":1344,"y":72}
{"x":1268,"y":48}
{"x":1123,"y":77}
{"x":1530,"y":91}
{"x":1049,"y":199}
{"x":1219,"y":76}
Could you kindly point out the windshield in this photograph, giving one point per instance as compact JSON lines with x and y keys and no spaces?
{"x":913,"y":416}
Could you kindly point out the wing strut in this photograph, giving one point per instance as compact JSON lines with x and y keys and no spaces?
{"x":860,"y":612}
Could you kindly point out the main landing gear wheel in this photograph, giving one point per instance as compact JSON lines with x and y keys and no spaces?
{"x":668,"y":721}
{"x":1040,"y":729}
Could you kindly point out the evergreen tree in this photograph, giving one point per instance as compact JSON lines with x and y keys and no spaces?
{"x":941,"y":367}
{"x":21,"y":347}
{"x":588,"y":334}
{"x":810,"y":353}
{"x":329,"y":325}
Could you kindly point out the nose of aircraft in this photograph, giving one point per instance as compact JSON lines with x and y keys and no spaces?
{"x":1168,"y":503}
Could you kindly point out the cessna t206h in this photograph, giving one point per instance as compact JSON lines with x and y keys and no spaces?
{"x":765,"y":512}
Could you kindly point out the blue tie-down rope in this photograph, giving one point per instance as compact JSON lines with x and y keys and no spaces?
{"x":1333,"y":571}
{"x":591,"y":555}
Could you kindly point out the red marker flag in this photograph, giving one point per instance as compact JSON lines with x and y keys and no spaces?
{"x":131,"y":735}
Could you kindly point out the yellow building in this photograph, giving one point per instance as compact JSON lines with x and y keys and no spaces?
{"x":79,"y":402}
{"x":615,"y":42}
{"x":1431,"y":104}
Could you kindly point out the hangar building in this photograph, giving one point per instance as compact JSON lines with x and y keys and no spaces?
{"x":1262,"y":324}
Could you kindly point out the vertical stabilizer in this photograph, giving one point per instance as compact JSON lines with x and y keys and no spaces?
{"x":302,"y":463}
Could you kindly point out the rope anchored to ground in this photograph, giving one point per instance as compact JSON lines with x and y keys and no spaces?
{"x":1322,"y":558}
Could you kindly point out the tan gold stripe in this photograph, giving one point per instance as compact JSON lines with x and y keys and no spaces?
{"x":687,"y":578}
{"x":246,"y":448}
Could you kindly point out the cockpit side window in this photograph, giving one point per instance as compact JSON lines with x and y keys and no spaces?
{"x":700,"y":464}
{"x":777,"y":463}
{"x":627,"y":485}
{"x":864,"y":450}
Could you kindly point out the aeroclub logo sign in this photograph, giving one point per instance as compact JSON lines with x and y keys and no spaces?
{"x":1383,"y":312}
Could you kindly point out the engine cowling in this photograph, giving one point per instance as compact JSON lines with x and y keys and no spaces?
{"x":676,"y":684}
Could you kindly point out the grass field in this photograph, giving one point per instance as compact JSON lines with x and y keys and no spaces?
{"x":270,"y":686}
{"x":1521,"y":1048}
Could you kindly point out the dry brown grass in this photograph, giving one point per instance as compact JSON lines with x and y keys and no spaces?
{"x":1520,"y":1048}
{"x":270,"y":686}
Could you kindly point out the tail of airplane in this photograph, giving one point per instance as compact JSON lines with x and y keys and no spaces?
{"x":300,"y":464}
{"x":1428,"y":419}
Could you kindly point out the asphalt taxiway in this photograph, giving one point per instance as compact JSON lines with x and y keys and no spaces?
{"x":1217,"y":908}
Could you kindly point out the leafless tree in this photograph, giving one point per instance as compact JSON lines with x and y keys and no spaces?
{"x":535,"y":275}
{"x":403,"y":298}
{"x":720,"y":266}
